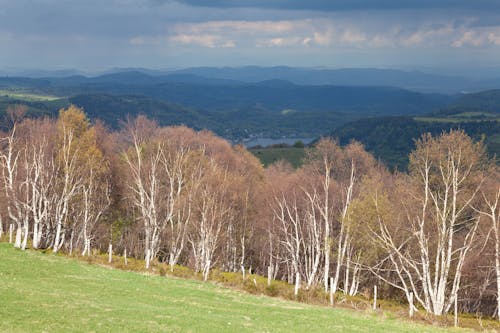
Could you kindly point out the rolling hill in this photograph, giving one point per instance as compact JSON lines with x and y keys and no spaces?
{"x":49,"y":293}
{"x":386,"y":119}
{"x":232,"y":109}
{"x":391,"y":139}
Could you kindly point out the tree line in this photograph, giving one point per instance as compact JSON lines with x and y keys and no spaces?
{"x":392,"y":138}
{"x":341,"y":223}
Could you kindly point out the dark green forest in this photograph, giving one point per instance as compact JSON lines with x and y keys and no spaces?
{"x":386,"y":120}
{"x":392,"y":138}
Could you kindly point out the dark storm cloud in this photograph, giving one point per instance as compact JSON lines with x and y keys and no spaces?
{"x":334,"y":5}
{"x":169,"y":33}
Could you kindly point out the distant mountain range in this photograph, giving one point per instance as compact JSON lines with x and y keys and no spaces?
{"x":232,"y":108}
{"x":220,"y":94}
{"x":411,"y":80}
{"x":374,"y":106}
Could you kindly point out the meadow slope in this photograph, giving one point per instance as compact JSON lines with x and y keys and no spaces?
{"x":48,"y":293}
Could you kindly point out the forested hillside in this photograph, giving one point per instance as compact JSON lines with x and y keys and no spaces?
{"x":387,"y":120}
{"x":392,"y":138}
{"x":339,"y":224}
{"x":328,"y":153}
{"x":232,"y":109}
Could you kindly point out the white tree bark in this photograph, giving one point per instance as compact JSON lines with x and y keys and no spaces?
{"x":343,"y":238}
{"x":297,"y":284}
{"x":181,"y":180}
{"x":213,"y":211}
{"x":301,"y":233}
{"x":70,"y":185}
{"x":492,"y":213}
{"x":332,"y":293}
{"x":145,"y":188}
{"x":43,"y":172}
{"x":110,"y":253}
{"x":96,"y":199}
{"x":269,"y":275}
{"x":411,"y":306}
{"x":9,"y":159}
{"x":327,"y":221}
{"x":433,"y":272}
{"x":288,"y":216}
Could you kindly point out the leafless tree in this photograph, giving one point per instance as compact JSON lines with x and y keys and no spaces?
{"x":427,"y":259}
{"x":213,"y":209}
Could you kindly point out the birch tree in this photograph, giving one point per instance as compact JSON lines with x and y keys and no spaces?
{"x":43,"y":172}
{"x":354,"y":165}
{"x":143,"y":161}
{"x":427,"y":258}
{"x":490,"y":210}
{"x":14,"y":183}
{"x":72,"y":123}
{"x":214,"y":209}
{"x":301,"y":235}
{"x":96,"y":199}
{"x":41,"y":182}
{"x":321,"y":162}
{"x":181,"y":174}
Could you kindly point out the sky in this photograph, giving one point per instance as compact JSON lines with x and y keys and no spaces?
{"x":95,"y":35}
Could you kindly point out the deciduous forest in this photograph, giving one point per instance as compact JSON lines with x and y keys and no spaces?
{"x":341,"y":223}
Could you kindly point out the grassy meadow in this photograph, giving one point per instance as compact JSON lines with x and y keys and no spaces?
{"x":42,"y":292}
{"x":462,"y":117}
{"x":22,"y":95}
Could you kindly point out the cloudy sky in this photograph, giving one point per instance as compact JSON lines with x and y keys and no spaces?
{"x":99,"y":34}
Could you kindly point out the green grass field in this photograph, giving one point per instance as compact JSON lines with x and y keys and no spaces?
{"x":48,"y":293}
{"x":270,"y":155}
{"x":27,"y":96}
{"x":462,"y":117}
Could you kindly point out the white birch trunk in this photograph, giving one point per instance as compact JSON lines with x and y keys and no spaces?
{"x":110,"y":253}
{"x":440,"y":273}
{"x":269,"y":275}
{"x":25,"y":233}
{"x":492,"y":212}
{"x":9,"y":162}
{"x":57,"y":239}
{"x":326,"y":220}
{"x":343,"y":239}
{"x":456,"y":312}
{"x":297,"y":284}
{"x":71,"y":185}
{"x":145,"y":188}
{"x":148,"y":258}
{"x":332,"y":292}
{"x":19,"y":234}
{"x":497,"y":269}
{"x":86,"y":247}
{"x":35,"y":236}
{"x":411,"y":307}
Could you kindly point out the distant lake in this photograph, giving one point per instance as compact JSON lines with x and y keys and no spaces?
{"x":264,"y":142}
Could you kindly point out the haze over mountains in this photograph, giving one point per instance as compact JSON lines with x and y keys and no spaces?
{"x":412,"y":80}
{"x":235,"y":103}
{"x":241,"y":103}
